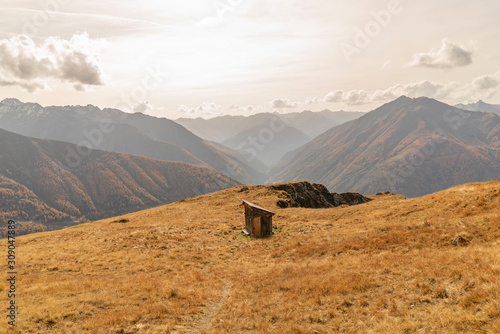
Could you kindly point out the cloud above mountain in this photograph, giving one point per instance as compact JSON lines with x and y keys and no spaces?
{"x":204,"y":109}
{"x":241,"y":109}
{"x":449,"y":56}
{"x":415,"y":89}
{"x":484,"y":86}
{"x":283,"y":103}
{"x":143,"y":107}
{"x":350,"y":98}
{"x":334,"y":97}
{"x":312,"y":100}
{"x":75,"y":61}
{"x":487,"y":81}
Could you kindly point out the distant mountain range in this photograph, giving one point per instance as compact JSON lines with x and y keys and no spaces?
{"x":114,"y":130}
{"x":315,"y":123}
{"x":409,"y":146}
{"x":266,"y":137}
{"x":267,"y":142}
{"x":36,"y":183}
{"x":480,"y":106}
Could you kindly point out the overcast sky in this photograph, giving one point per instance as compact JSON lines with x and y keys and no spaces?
{"x":206,"y":58}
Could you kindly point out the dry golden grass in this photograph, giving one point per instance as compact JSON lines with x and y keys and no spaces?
{"x":424,"y":265}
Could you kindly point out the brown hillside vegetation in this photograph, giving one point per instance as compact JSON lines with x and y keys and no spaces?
{"x":37,"y":184}
{"x":413,"y":147}
{"x":393,"y":265}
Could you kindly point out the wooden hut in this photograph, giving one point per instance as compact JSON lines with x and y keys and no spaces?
{"x":258,"y":221}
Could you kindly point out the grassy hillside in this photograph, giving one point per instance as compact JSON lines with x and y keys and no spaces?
{"x":393,"y":265}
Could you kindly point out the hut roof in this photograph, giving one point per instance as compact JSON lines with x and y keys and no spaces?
{"x":258,"y":207}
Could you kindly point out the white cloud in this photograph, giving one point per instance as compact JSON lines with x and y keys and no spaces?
{"x":242,"y":109}
{"x":143,"y":107}
{"x":449,"y":56}
{"x":186,"y":110}
{"x":27,"y":65}
{"x":416,"y":89}
{"x":204,"y":109}
{"x":356,"y":97}
{"x":336,"y":96}
{"x":487,"y":81}
{"x":313,"y":100}
{"x":283,"y":103}
{"x":351,"y":98}
{"x":482,"y":87}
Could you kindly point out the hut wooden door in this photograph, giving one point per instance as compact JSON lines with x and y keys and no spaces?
{"x":257,"y":226}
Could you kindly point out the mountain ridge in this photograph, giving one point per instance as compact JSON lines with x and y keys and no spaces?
{"x":480,"y":106}
{"x":38,"y":185}
{"x":312,"y":123}
{"x":370,"y":154}
{"x":266,"y":136}
{"x":114,"y":130}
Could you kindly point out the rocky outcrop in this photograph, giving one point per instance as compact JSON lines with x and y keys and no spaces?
{"x":313,"y":195}
{"x":350,"y":199}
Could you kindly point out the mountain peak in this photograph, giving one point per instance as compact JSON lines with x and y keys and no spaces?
{"x":401,"y":101}
{"x":11,"y":102}
{"x":417,"y":102}
{"x":367,"y":155}
{"x":404,"y":98}
{"x":480,"y":106}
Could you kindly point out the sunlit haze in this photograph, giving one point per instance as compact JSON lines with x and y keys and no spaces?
{"x":207,"y":58}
